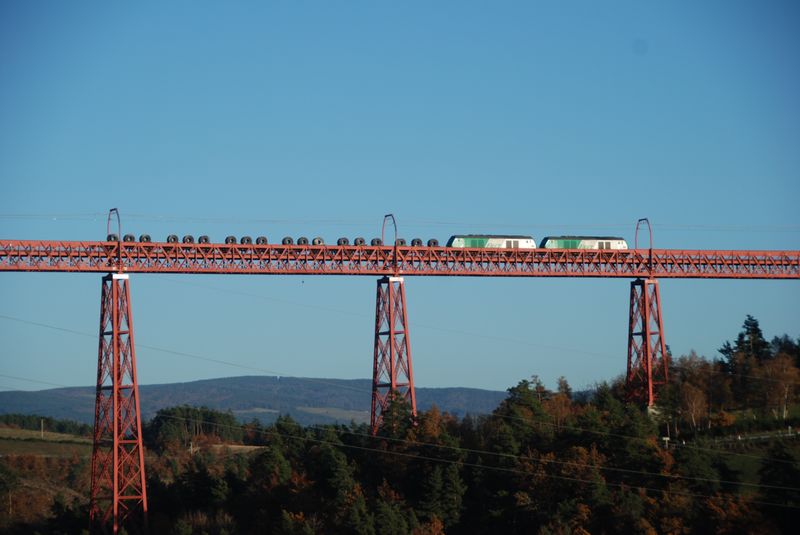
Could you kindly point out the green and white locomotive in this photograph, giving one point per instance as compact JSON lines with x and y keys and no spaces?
{"x":494,"y":241}
{"x":583,"y":242}
{"x":491,"y":241}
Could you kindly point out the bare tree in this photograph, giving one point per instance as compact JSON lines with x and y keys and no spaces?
{"x":693,"y":402}
{"x":780,"y":380}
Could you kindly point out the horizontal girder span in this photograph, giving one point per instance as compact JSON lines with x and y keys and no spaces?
{"x":132,"y":257}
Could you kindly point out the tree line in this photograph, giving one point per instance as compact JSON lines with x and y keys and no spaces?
{"x":544,"y":461}
{"x":752,"y":385}
{"x":36,"y":423}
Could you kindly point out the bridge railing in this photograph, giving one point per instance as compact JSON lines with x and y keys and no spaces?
{"x":76,"y":256}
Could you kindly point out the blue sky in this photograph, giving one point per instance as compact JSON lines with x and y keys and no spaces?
{"x":316,"y":118}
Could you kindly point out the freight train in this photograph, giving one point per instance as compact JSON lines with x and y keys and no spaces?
{"x":458,"y":241}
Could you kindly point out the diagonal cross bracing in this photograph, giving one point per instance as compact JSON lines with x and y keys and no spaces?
{"x":103,"y":257}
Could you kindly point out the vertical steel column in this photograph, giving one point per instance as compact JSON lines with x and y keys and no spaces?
{"x":648,"y":361}
{"x":392,"y":371}
{"x":118,"y":493}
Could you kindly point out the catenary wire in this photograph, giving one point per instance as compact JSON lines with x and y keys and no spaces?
{"x":410,"y":222}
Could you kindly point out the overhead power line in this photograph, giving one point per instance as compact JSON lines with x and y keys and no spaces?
{"x":527,"y":421}
{"x":329,"y":309}
{"x":178,"y":353}
{"x":506,"y":339}
{"x":370,"y":222}
{"x":487,"y":467}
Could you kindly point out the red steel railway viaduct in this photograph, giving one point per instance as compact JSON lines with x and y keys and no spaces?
{"x":118,"y":492}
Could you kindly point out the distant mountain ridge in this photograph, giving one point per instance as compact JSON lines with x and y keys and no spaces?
{"x":307,"y":400}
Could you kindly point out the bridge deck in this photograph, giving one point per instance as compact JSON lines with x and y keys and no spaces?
{"x":131,"y":257}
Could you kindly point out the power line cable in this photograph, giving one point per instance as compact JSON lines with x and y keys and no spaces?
{"x":182,"y":354}
{"x":416,"y":456}
{"x":273,"y":372}
{"x":410,"y":222}
{"x":528,"y":421}
{"x":476,"y":465}
{"x":534,"y":422}
{"x":363,"y":391}
{"x":31,"y":380}
{"x":362,"y":315}
{"x":673,"y":365}
{"x":567,"y":463}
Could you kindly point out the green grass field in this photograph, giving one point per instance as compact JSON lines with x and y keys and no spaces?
{"x":27,"y":442}
{"x":339,"y":414}
{"x":27,"y":434}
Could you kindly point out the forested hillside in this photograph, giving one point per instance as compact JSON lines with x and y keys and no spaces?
{"x":544,"y":461}
{"x":307,"y":400}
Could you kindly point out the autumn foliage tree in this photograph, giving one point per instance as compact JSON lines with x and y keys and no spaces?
{"x":544,"y":461}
